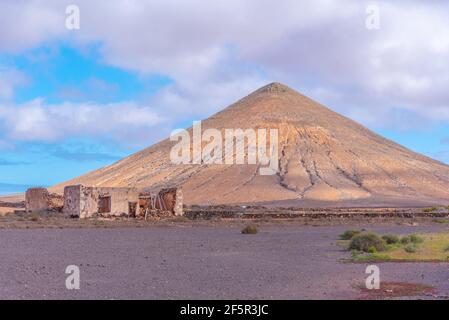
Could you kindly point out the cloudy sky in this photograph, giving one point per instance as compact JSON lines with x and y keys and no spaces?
{"x":73,"y":100}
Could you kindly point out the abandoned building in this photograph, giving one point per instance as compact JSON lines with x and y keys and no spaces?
{"x":85,"y":202}
{"x":39,"y":199}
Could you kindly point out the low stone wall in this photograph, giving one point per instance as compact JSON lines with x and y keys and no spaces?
{"x":231,"y":212}
{"x":20,"y":204}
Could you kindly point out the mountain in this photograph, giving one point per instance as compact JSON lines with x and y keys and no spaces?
{"x":325,"y":159}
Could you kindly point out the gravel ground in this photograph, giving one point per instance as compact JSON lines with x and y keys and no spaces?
{"x":199,"y":262}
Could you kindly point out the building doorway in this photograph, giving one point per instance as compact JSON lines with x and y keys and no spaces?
{"x":104,"y":204}
{"x":132,"y":209}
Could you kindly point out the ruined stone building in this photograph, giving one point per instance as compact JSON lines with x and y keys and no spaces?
{"x":39,"y":199}
{"x":85,"y":202}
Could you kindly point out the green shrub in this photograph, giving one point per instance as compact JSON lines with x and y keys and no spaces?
{"x":390,"y":238}
{"x":372,"y":250}
{"x":414,"y":238}
{"x":349,"y":234}
{"x":410,"y":248}
{"x":405,"y":240}
{"x":431,"y":209}
{"x":365,"y":241}
{"x":250,"y":230}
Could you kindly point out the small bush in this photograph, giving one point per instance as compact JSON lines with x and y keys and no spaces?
{"x":410,"y":248}
{"x":250,"y":230}
{"x":405,"y":240}
{"x":390,"y":238}
{"x":365,"y":241}
{"x":431,"y":209}
{"x":372,"y":250}
{"x":414,"y":238}
{"x":349,"y":234}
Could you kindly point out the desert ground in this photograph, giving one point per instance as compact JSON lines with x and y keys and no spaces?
{"x":203,"y":260}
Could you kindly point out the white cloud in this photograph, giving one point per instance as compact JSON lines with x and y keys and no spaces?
{"x":9,"y":80}
{"x":217,"y":51}
{"x":24,"y":24}
{"x":37,"y":121}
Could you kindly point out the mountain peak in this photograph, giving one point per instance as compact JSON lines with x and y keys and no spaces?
{"x":274,"y":88}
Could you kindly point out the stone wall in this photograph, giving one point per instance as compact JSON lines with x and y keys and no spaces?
{"x":72,"y":201}
{"x":178,"y":208}
{"x":39,"y":199}
{"x":85,"y":202}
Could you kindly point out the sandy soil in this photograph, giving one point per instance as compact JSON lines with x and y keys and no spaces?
{"x":4,"y":210}
{"x":16,"y":198}
{"x":186,"y":261}
{"x":13,"y":198}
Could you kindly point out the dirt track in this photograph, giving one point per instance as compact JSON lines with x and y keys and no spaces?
{"x":184,"y":262}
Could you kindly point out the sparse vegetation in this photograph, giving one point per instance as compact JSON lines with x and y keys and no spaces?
{"x":372,"y":250}
{"x":414,"y":238}
{"x":366,"y":242}
{"x":431,"y":209}
{"x":48,"y":219}
{"x":441,"y":220}
{"x":405,"y":240}
{"x":390,"y":238}
{"x":411,"y":248}
{"x":251,"y":229}
{"x":430,"y":247}
{"x":349,"y":234}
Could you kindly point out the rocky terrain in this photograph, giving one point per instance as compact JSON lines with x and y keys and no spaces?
{"x":200,"y":262}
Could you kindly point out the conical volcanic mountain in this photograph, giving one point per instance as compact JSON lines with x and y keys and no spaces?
{"x":325,"y":159}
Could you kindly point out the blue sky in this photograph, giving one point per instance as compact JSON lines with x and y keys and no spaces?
{"x":60,"y":74}
{"x":76,"y":100}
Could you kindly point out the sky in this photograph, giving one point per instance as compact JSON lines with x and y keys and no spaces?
{"x":76,"y":99}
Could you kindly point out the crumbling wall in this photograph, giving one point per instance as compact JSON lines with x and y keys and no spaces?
{"x":166,"y":200}
{"x":72,"y":201}
{"x":178,"y":207}
{"x":39,"y":199}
